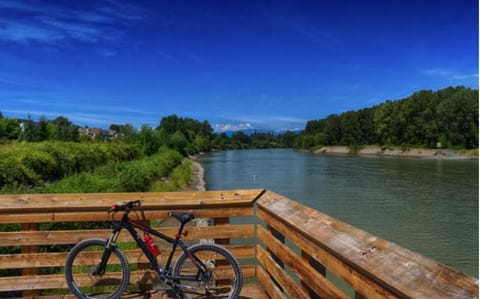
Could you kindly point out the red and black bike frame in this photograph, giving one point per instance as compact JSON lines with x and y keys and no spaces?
{"x":131,"y":226}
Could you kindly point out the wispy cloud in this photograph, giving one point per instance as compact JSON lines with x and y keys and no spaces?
{"x":182,"y":56}
{"x":167,"y":56}
{"x":24,"y":21}
{"x":449,"y":74}
{"x":93,"y":119}
{"x":17,"y":82}
{"x":267,"y":122}
{"x":220,"y":128}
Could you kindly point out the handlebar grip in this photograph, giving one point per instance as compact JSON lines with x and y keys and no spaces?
{"x":125,"y":207}
{"x":113,"y":208}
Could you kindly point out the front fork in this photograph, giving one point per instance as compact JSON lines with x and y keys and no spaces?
{"x":100,"y":269}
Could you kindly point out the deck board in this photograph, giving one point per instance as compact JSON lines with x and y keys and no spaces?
{"x":249,"y":291}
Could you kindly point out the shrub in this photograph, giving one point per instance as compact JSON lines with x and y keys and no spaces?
{"x":36,"y":164}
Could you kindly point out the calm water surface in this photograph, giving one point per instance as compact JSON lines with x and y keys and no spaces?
{"x":428,"y":206}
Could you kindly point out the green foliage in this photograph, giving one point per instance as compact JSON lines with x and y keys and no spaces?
{"x":36,"y":164}
{"x":9,"y":129}
{"x":132,"y":176}
{"x":186,"y":135}
{"x":179,"y":179}
{"x":448,"y":116}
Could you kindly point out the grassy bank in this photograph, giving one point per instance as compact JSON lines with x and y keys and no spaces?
{"x":26,"y":166}
{"x":67,"y":167}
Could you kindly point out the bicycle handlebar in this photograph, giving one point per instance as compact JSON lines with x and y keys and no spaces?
{"x":125,"y":207}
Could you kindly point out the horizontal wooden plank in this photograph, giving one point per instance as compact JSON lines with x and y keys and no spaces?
{"x":50,"y":216}
{"x":270,"y":287}
{"x":249,"y":291}
{"x":74,"y":236}
{"x":281,"y":277}
{"x":57,"y":281}
{"x":402,"y":272}
{"x":318,"y":283}
{"x":56,"y":259}
{"x":36,"y":203}
{"x":358,"y":281}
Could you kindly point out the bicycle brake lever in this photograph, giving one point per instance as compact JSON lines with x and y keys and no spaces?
{"x":113,"y":209}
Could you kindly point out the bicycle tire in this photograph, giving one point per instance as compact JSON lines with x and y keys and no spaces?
{"x":81,"y":261}
{"x":226,"y":280}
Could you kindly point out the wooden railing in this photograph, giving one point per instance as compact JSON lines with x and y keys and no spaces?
{"x":292,"y":251}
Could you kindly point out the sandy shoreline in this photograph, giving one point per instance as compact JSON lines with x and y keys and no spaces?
{"x":197,"y":182}
{"x":398,"y":152}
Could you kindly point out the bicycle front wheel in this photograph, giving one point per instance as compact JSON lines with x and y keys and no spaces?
{"x":223,"y":278}
{"x":81,"y":267}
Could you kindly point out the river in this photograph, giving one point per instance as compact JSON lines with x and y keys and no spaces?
{"x":428,"y":206}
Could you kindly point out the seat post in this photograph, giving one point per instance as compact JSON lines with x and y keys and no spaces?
{"x":180,"y":229}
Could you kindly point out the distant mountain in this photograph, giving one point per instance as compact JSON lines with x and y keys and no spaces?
{"x":250,"y":132}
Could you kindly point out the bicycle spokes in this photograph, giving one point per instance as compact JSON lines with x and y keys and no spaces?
{"x":88,"y":279}
{"x":219,"y":280}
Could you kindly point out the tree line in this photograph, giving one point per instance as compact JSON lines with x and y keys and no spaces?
{"x":445,"y":118}
{"x":185,"y":135}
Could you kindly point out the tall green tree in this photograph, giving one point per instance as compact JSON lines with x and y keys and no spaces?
{"x":9,"y":128}
{"x":41,"y":130}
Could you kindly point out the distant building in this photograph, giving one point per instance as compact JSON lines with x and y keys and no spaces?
{"x":93,"y":133}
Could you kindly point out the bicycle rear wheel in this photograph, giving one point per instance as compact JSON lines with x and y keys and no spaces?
{"x":224,"y":278}
{"x":83,"y":260}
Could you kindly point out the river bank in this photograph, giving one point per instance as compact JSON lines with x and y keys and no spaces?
{"x":197,"y":181}
{"x":399,"y":152}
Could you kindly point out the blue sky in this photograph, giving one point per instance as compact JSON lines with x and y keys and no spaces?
{"x":237,"y":64}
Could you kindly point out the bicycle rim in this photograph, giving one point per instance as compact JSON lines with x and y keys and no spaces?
{"x":222,"y":280}
{"x":82,"y":263}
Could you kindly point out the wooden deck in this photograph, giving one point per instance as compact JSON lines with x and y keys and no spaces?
{"x":285,"y":248}
{"x":249,"y":291}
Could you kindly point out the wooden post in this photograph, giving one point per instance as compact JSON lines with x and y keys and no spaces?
{"x":224,"y":242}
{"x":359,"y":296}
{"x":222,"y":221}
{"x":281,"y":238}
{"x":317,"y":266}
{"x":29,"y":249}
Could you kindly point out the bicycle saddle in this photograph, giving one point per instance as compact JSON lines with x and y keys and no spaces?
{"x":182,"y":217}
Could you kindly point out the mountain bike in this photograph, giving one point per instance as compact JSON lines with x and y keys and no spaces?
{"x":98,"y":268}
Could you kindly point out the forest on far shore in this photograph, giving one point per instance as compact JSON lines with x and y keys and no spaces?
{"x":447,"y":118}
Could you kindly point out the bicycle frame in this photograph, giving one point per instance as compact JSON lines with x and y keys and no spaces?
{"x":131,"y":226}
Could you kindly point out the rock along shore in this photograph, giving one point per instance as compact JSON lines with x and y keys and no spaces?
{"x":197,"y":182}
{"x":398,"y":152}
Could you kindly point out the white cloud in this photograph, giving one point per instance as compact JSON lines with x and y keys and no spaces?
{"x":276,"y":123}
{"x":437,"y":72}
{"x":219,"y":128}
{"x":464,"y":76}
{"x":52,"y":25}
{"x":167,"y":56}
{"x":22,"y":32}
{"x":449,"y":74}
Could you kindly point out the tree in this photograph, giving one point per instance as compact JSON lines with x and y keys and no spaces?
{"x":351,"y":131}
{"x":149,"y":140}
{"x":41,"y":130}
{"x":179,"y":142}
{"x":27,"y":129}
{"x":127,"y":133}
{"x":333,"y":129}
{"x":9,"y":128}
{"x":64,"y":130}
